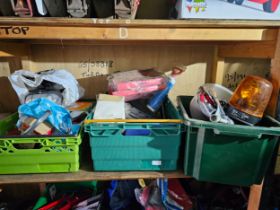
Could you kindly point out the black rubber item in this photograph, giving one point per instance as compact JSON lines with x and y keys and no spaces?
{"x":56,"y":8}
{"x":239,"y":2}
{"x":104,"y":8}
{"x":271,"y":6}
{"x":6,"y":8}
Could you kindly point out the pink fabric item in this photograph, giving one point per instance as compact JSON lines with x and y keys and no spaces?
{"x":134,"y":94}
{"x":177,"y":193}
{"x":136,"y":83}
{"x":140,"y":84}
{"x":144,"y":195}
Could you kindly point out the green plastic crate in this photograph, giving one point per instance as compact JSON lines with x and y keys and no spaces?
{"x":113,"y":151}
{"x":227,"y":154}
{"x":52,"y":154}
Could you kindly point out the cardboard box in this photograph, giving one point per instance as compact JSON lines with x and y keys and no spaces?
{"x":217,"y":9}
{"x":109,"y":107}
{"x":42,"y":129}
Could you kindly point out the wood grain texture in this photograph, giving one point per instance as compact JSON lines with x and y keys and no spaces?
{"x":13,"y":49}
{"x":218,"y":67}
{"x":88,"y":62}
{"x":255,"y":197}
{"x":275,"y":78}
{"x":247,"y":50}
{"x":140,"y":34}
{"x":84,"y":175}
{"x":235,"y":69}
{"x":139,"y":23}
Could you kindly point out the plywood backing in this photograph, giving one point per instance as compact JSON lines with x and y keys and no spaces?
{"x":89,"y":62}
{"x":92,"y":63}
{"x":235,"y":69}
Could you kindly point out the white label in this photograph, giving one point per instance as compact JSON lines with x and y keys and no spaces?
{"x":156,"y":162}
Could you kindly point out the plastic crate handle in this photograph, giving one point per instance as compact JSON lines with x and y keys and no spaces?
{"x":238,"y":134}
{"x":243,"y":131}
{"x":27,"y":146}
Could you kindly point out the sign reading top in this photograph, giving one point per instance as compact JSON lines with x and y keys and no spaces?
{"x":229,"y":9}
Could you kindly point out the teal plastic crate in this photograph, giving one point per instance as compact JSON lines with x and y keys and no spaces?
{"x":112,"y":150}
{"x":227,"y":154}
{"x":48,"y":154}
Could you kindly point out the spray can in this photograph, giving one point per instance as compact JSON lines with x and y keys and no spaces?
{"x":156,"y":101}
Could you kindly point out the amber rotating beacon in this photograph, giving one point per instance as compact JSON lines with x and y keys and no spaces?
{"x":250,"y":99}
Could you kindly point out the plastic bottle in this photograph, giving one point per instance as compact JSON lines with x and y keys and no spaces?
{"x":156,"y":101}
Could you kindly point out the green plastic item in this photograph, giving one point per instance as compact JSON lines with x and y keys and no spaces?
{"x":61,"y":188}
{"x":227,"y":154}
{"x":112,"y":150}
{"x":48,"y":154}
{"x":42,"y":201}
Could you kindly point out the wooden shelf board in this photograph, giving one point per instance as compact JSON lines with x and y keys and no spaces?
{"x":195,"y":23}
{"x":135,"y":30}
{"x":84,"y":175}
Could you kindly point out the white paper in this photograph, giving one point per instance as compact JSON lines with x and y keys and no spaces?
{"x":110,"y":107}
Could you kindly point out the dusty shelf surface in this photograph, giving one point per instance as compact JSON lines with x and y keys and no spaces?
{"x":86,"y":175}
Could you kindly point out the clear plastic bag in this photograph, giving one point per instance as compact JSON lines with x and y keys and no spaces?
{"x":60,"y":86}
{"x":136,"y":84}
{"x":58,"y":116}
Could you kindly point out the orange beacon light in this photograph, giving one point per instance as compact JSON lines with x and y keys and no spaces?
{"x":250,"y":99}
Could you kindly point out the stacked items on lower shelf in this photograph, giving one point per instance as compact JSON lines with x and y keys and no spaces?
{"x":126,"y":195}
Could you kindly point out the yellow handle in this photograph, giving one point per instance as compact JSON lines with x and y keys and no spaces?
{"x":133,"y":121}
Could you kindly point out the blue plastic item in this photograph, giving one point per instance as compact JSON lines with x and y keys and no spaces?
{"x":156,"y":101}
{"x":137,"y":132}
{"x":59,"y":118}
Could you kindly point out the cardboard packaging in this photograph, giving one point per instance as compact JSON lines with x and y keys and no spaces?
{"x":109,"y":107}
{"x":42,"y":129}
{"x":216,"y":9}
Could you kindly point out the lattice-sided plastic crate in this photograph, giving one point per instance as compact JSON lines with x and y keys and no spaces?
{"x":148,"y":146}
{"x":36,"y":154}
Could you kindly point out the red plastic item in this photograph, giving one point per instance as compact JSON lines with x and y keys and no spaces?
{"x":268,"y":5}
{"x":52,"y":204}
{"x":65,"y":203}
{"x":178,"y":194}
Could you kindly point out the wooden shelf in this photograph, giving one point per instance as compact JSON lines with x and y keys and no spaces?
{"x":136,"y":30}
{"x":190,"y":23}
{"x":231,"y":38}
{"x":84,"y":175}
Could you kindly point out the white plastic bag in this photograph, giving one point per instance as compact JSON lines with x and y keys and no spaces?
{"x":26,"y":82}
